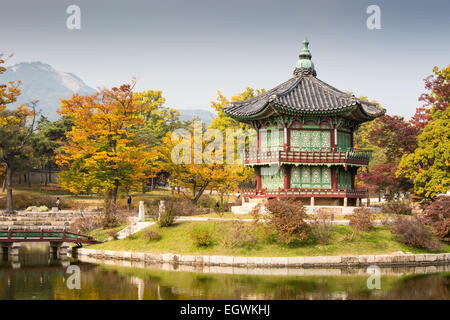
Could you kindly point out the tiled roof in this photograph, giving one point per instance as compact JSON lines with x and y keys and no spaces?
{"x":303,"y":93}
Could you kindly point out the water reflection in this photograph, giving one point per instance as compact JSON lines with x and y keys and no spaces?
{"x":40,"y":276}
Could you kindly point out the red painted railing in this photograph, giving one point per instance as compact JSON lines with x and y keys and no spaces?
{"x":308,"y":155}
{"x":305,"y":193}
{"x":41,"y":235}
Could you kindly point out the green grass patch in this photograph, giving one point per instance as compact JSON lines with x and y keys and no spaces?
{"x":102,"y":234}
{"x":344,"y":241}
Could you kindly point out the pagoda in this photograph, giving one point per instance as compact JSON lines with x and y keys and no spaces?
{"x":305,"y":139}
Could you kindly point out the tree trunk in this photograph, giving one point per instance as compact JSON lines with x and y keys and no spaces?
{"x":20,"y":179}
{"x":28,"y":179}
{"x":4,"y":185}
{"x":115,"y":191}
{"x":193,"y":189}
{"x":152,"y":185}
{"x":200,"y":192}
{"x":9,"y":182}
{"x":49,"y":174}
{"x":173,"y":190}
{"x":178,"y":189}
{"x":143,"y":186}
{"x":46,"y":177}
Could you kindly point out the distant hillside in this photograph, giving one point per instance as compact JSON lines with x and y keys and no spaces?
{"x":205,"y":115}
{"x":42,"y":82}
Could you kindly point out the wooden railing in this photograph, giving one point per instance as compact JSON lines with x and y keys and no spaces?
{"x":300,"y":192}
{"x":42,"y":235}
{"x":308,"y":155}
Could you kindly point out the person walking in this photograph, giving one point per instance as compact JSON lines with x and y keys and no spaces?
{"x":58,"y":203}
{"x":129,"y":203}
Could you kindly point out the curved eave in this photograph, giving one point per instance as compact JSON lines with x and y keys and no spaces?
{"x":277,"y":108}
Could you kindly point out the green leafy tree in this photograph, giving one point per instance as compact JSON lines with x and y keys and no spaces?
{"x":429,"y":165}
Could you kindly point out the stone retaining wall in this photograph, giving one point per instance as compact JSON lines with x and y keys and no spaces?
{"x":277,"y":262}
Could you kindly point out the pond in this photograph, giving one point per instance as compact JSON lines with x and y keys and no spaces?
{"x":37,"y":275}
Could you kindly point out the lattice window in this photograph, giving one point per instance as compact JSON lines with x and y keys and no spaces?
{"x":305,"y":141}
{"x":326,"y":177}
{"x":295,"y":177}
{"x":325,"y":139}
{"x":263,"y":139}
{"x":295,"y":139}
{"x":315,"y":177}
{"x":272,"y":177}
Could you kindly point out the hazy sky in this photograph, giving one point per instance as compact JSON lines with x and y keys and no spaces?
{"x":190,"y":49}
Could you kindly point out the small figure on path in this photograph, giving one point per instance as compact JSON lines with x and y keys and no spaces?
{"x":129,"y":203}
{"x":238,"y":195}
{"x":58,"y":203}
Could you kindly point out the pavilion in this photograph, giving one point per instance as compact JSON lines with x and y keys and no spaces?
{"x":305,"y":139}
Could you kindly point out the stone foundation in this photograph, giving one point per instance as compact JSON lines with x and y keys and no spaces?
{"x":278,"y":262}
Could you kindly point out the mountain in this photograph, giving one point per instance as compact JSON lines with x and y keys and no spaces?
{"x":42,"y":82}
{"x":205,"y":115}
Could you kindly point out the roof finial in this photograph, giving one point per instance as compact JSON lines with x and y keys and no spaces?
{"x":304,"y":64}
{"x":305,"y":53}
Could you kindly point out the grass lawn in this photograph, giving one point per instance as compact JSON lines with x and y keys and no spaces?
{"x":177,"y":239}
{"x":102,"y":234}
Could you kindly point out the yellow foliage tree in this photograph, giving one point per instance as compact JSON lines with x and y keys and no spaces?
{"x":102,"y":153}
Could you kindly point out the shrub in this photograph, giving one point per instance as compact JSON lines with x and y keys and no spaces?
{"x":43,"y":209}
{"x":397,"y":207}
{"x":25,"y":200}
{"x":287,"y":217}
{"x":437,"y":214}
{"x":167,"y":217}
{"x":151,"y":235}
{"x":238,"y":234}
{"x":86,"y":224}
{"x":322,"y":227}
{"x":202,"y":236}
{"x":361,"y":219}
{"x":414,"y":233}
{"x":113,"y":234}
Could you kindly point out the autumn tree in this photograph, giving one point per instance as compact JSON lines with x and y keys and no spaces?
{"x":102,"y":153}
{"x":437,"y":97}
{"x":429,"y":165}
{"x":194,"y":159}
{"x":16,"y":128}
{"x":222,"y":121}
{"x":158,"y":121}
{"x":46,"y":142}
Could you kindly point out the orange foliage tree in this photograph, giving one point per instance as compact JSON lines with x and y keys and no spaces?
{"x":102,"y":153}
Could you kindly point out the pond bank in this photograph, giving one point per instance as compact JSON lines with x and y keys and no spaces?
{"x":395,"y":259}
{"x":269,"y":271}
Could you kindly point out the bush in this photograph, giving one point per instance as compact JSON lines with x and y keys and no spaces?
{"x":86,"y":224}
{"x":414,"y":233}
{"x":238,"y":234}
{"x":113,"y":234}
{"x":202,"y":236}
{"x":25,"y":200}
{"x":437,"y":214}
{"x":151,"y":235}
{"x":322,"y":227}
{"x":43,"y":209}
{"x":397,"y":207}
{"x":167,"y":217}
{"x":287,"y":217}
{"x":361,"y":219}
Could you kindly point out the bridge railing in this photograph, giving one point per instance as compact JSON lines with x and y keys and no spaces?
{"x":42,"y":235}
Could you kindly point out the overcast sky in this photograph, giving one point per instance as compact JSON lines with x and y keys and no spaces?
{"x":192,"y":48}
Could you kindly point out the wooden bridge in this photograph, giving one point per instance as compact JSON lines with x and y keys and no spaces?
{"x":42,"y":235}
